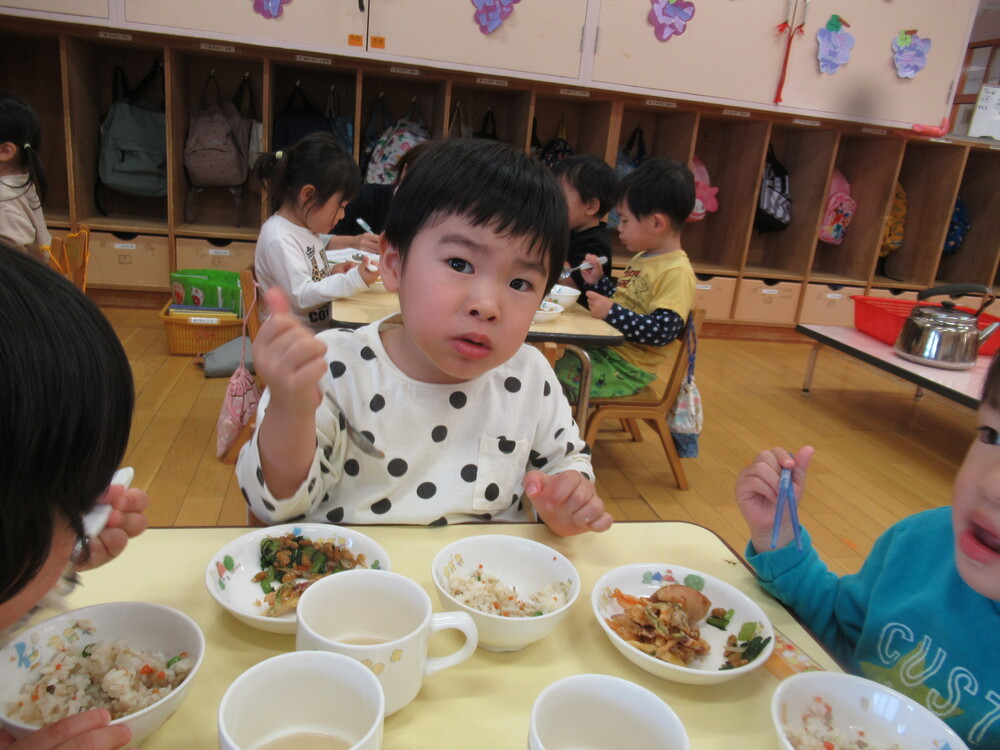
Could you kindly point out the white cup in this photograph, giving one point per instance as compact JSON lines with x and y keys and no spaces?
{"x":600,"y":712}
{"x":383,"y":620}
{"x":299,"y":694}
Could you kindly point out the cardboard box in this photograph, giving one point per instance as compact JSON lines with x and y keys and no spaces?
{"x":767,"y":302}
{"x":214,"y":254}
{"x":828,"y":305}
{"x":715,"y":296}
{"x":128,"y":260}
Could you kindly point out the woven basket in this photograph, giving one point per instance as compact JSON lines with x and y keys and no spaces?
{"x":200,"y":334}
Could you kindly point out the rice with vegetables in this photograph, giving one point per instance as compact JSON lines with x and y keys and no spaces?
{"x":487,"y":593}
{"x":816,"y":732}
{"x":108,"y":674}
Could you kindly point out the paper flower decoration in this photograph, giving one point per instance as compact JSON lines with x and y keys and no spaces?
{"x":269,"y":8}
{"x":490,"y":14}
{"x":835,"y":45}
{"x":670,"y":17}
{"x":910,"y":53}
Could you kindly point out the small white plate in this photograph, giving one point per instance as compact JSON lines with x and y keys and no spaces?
{"x":229,"y":574}
{"x":642,"y":579}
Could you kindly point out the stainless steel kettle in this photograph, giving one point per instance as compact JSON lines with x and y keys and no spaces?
{"x":942,"y":335}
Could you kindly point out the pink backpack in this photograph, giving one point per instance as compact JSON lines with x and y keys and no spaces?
{"x":704,"y":194}
{"x":840,"y":210}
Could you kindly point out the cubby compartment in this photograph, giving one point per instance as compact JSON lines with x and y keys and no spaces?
{"x":210,"y":252}
{"x":666,"y":131}
{"x":930,"y":174}
{"x":126,"y":260}
{"x":323,"y":86}
{"x":976,"y":259}
{"x":767,"y":301}
{"x":511,"y":109}
{"x":588,"y":120}
{"x":210,"y":211}
{"x":29,"y":68}
{"x":401,"y":87}
{"x":828,"y":304}
{"x":733,"y":152}
{"x":870,"y":165}
{"x":715,"y":294}
{"x":90,"y":67}
{"x":807,"y":153}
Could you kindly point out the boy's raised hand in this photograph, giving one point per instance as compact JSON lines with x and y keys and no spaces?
{"x":288,"y":357}
{"x":568,"y":502}
{"x":757,"y":493}
{"x":593,"y":274}
{"x":127,"y":520}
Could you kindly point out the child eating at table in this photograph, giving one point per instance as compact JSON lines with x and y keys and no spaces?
{"x":922,"y":613}
{"x":310,"y":183}
{"x":652,"y":298}
{"x":65,"y":418}
{"x":468,"y":417}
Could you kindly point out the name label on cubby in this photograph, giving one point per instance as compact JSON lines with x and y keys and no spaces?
{"x":810,"y":123}
{"x":404,"y":71}
{"x":124,"y":246}
{"x":492,"y":81}
{"x":218,"y":251}
{"x":574,"y":92}
{"x":835,"y":295}
{"x":874,"y":131}
{"x":219,"y":47}
{"x":768,"y":291}
{"x":313,"y":59}
{"x":114,"y":35}
{"x":736,"y":113}
{"x":661,"y":103}
{"x":941,"y":140}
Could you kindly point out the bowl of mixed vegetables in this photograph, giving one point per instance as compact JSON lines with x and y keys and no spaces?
{"x":680,"y":624}
{"x":259,"y":577}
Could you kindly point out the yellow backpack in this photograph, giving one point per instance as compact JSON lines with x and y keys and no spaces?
{"x":892,"y":237}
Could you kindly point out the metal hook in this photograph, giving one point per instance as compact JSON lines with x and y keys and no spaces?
{"x":246,"y":76}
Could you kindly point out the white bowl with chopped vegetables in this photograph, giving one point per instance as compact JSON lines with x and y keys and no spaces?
{"x":145,"y":657}
{"x":681,"y":624}
{"x":830,"y":709}
{"x":516,"y":590}
{"x":259,"y":577}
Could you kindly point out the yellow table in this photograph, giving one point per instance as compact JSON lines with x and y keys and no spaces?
{"x":485,"y":702}
{"x":573,"y":329}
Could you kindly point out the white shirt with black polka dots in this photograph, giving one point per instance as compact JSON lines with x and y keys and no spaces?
{"x":453,"y":453}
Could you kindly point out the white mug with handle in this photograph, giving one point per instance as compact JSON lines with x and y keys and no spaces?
{"x":384,"y":620}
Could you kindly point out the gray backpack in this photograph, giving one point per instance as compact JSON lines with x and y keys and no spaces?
{"x":133,"y":156}
{"x":217,"y":147}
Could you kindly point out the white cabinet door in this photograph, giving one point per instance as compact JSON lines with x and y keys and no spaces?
{"x":86,"y":8}
{"x":868,"y":86}
{"x":539,"y":36}
{"x":729,"y":49}
{"x":308,"y":25}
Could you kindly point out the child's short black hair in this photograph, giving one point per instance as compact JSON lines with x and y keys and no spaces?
{"x":65,"y":413}
{"x":591,"y":177}
{"x":491,"y":185}
{"x":658,"y":186}
{"x":318,"y":160}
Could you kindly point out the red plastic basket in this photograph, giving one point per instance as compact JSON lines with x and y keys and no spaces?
{"x":883,"y":319}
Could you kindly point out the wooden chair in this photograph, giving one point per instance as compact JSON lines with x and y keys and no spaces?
{"x":70,"y":255}
{"x":650,"y":405}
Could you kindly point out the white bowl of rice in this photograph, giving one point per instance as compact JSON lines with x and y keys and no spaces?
{"x":516,"y":590}
{"x":822,"y":710}
{"x":135,"y":659}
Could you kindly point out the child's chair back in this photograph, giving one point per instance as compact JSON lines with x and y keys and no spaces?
{"x":69,"y":256}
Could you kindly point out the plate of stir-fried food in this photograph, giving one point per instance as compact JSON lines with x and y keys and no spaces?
{"x":259,"y":577}
{"x":681,"y":624}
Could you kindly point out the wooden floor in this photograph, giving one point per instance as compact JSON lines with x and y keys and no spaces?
{"x":880,"y":456}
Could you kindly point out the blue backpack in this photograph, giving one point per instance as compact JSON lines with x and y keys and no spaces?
{"x":958,"y":228}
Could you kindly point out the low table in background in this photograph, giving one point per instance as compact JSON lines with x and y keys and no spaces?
{"x":962,"y":386}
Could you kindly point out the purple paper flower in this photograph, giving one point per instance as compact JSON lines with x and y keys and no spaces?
{"x":834,"y":49}
{"x":269,"y":8}
{"x":490,"y":14}
{"x":670,"y":18}
{"x":912,"y":58}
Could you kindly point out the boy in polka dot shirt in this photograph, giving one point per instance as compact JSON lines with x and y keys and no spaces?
{"x":651,"y":301}
{"x":471,"y":420}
